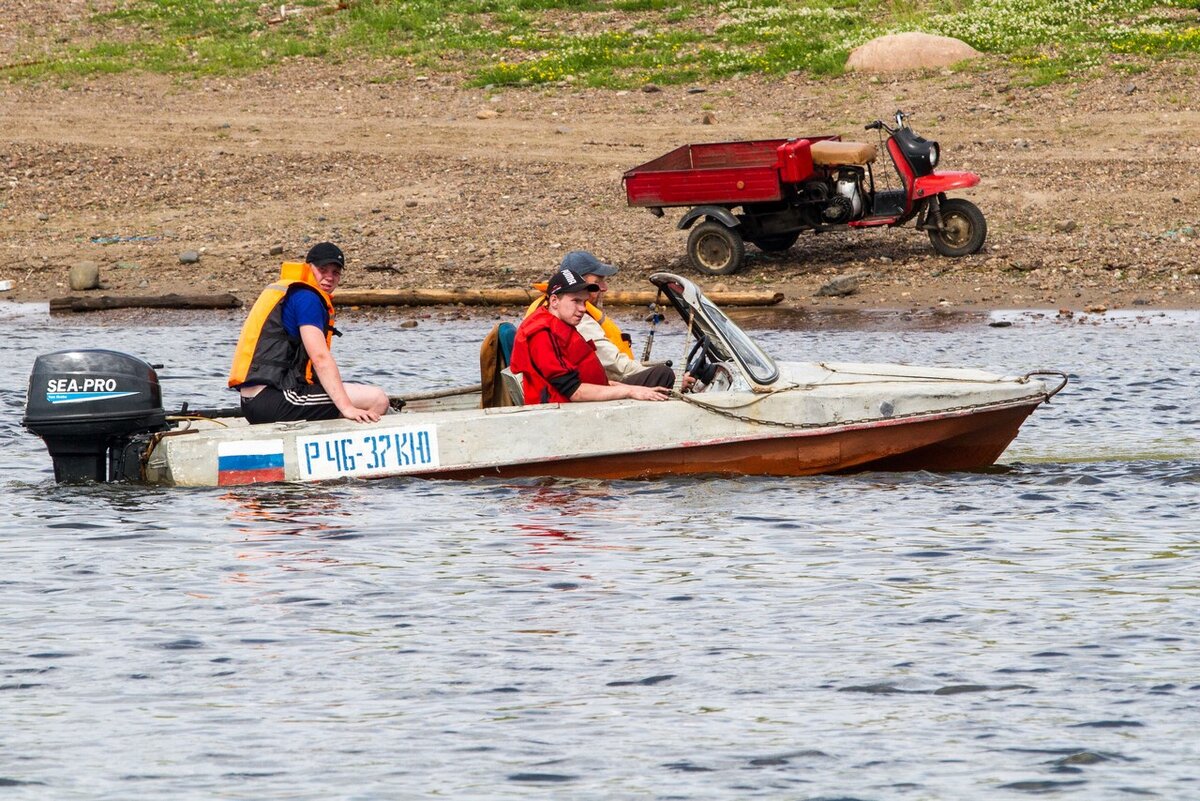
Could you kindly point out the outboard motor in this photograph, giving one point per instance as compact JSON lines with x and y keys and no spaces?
{"x":88,"y":406}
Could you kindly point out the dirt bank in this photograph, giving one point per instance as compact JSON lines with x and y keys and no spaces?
{"x":1089,"y":190}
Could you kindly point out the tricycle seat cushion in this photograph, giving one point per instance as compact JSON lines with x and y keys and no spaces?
{"x":831,"y":154}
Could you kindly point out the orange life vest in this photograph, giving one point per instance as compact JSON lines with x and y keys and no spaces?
{"x":265,"y":353}
{"x":612,"y":332}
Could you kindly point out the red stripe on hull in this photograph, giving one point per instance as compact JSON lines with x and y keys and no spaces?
{"x":231,"y":478}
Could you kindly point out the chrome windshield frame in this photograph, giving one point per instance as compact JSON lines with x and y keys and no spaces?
{"x":726,"y":338}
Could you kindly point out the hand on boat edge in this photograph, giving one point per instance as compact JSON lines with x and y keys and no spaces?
{"x":360,"y":415}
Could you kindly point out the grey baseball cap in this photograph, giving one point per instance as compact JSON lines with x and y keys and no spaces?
{"x":584,"y":263}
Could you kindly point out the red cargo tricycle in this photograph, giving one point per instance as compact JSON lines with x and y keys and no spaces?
{"x":815,"y":183}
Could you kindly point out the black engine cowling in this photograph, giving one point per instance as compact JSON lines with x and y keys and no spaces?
{"x":87,"y":405}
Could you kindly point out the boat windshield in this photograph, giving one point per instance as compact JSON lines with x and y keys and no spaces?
{"x":758,"y":364}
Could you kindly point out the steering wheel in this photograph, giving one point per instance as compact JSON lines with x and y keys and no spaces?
{"x":722,"y":379}
{"x":698,"y":364}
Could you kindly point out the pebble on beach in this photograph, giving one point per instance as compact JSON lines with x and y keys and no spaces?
{"x":839,"y":287}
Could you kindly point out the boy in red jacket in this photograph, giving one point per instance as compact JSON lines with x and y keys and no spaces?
{"x":556,"y":363}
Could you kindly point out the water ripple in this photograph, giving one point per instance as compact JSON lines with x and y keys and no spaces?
{"x":1024,"y":630}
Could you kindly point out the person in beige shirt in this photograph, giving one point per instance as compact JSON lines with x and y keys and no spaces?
{"x":618,"y":364}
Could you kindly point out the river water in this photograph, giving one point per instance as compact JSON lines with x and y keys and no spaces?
{"x":1030,"y":630}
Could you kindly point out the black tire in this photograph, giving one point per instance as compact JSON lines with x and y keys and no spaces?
{"x":777,"y":243}
{"x":714,"y":249}
{"x":965,"y":229}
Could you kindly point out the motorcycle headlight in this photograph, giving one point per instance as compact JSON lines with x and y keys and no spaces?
{"x":934,"y":152}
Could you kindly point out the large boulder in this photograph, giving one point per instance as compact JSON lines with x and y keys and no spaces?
{"x":899,"y":52}
{"x":83,"y":276}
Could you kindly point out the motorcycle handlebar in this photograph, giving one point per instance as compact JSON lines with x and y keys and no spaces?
{"x":873,"y":126}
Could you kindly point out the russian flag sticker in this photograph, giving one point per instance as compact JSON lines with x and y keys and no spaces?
{"x":249,"y":462}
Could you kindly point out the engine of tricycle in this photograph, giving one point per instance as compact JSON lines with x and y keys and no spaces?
{"x":838,"y":197}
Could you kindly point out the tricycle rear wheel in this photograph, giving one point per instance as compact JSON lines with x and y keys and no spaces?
{"x":715,"y":249}
{"x":777,"y":243}
{"x":964,"y":229}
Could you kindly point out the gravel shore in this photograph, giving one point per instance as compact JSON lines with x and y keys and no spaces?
{"x":1089,"y":189}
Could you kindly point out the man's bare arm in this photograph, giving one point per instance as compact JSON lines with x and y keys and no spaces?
{"x":618,"y":391}
{"x":329,"y":375}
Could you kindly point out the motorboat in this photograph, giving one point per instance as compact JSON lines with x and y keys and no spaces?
{"x":101,"y":416}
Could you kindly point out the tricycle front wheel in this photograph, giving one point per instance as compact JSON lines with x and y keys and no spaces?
{"x":963,"y":229}
{"x":715,"y":249}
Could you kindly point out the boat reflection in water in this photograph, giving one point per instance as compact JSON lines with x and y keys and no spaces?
{"x":752,"y":415}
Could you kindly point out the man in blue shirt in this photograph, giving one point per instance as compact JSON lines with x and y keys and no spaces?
{"x":283,"y":367}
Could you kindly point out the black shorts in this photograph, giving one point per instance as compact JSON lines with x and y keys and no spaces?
{"x":271,"y":405}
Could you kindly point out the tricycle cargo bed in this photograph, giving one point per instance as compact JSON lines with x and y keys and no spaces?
{"x":726,"y":173}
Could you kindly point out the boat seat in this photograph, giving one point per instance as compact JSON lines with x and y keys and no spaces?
{"x":831,"y":154}
{"x":507,"y":333}
{"x":494,"y":353}
{"x":513,"y":386}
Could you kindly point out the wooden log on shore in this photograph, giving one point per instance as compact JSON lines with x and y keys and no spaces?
{"x":511,"y":297}
{"x":388,"y":297}
{"x":76,"y":303}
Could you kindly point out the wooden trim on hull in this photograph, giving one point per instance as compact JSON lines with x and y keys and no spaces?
{"x":944,"y":442}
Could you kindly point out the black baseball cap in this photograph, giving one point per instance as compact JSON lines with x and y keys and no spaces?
{"x":585,"y":263}
{"x":324,"y":253}
{"x":568,"y":282}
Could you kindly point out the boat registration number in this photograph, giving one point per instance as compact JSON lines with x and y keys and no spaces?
{"x":373,"y":452}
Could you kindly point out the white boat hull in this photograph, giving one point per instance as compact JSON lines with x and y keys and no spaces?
{"x":819,"y":418}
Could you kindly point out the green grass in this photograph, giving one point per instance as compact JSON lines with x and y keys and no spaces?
{"x":604,"y":43}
